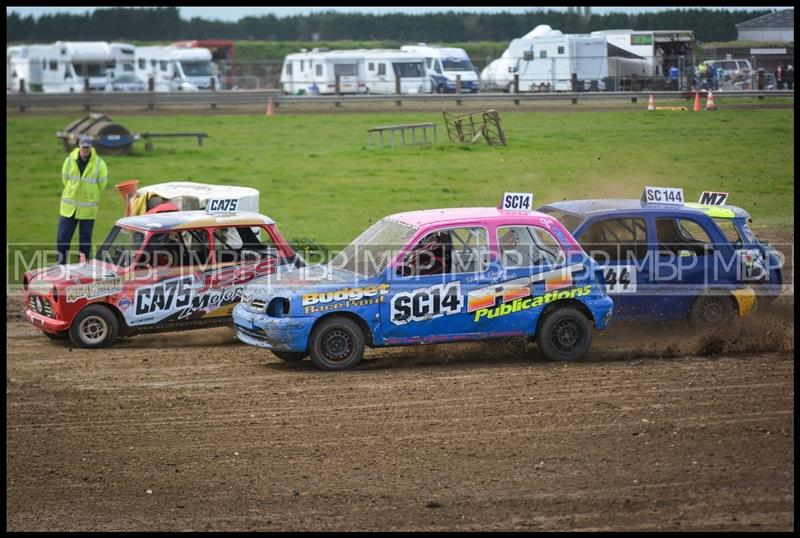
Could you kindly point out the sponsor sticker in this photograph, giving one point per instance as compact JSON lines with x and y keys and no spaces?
{"x":344,"y":298}
{"x":92,"y":290}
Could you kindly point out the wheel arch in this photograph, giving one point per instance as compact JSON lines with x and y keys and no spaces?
{"x":123,"y":326}
{"x":362,"y":324}
{"x":563,"y":303}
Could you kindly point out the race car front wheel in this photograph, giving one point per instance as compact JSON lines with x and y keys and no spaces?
{"x":711,"y":312}
{"x":95,"y":326}
{"x":336,"y":343}
{"x":290,"y":356}
{"x":565,"y":335}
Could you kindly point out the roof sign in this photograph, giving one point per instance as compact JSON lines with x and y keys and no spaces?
{"x":222,"y":206}
{"x":517,"y":201}
{"x":713,"y":198}
{"x":663,"y":195}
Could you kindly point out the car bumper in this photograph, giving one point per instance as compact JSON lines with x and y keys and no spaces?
{"x":745,"y":300}
{"x":281,"y":334}
{"x":46,"y":324}
{"x":601,"y":308}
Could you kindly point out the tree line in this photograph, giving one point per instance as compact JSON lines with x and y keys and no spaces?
{"x":165,"y":24}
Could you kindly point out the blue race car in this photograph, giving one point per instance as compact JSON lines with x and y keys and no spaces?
{"x":669,"y":260}
{"x":432,"y":276}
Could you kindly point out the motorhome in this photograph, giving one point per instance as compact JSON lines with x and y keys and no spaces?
{"x":545,"y":60}
{"x":176,"y":68}
{"x":444,"y":65}
{"x":60,"y":67}
{"x":124,"y":63}
{"x":658,"y":49}
{"x":223,"y":55}
{"x":358,"y":71}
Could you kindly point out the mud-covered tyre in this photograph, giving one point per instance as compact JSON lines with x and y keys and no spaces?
{"x":336,"y":343}
{"x":94,"y":326}
{"x":290,"y":356}
{"x":565,"y":335}
{"x":710,"y":312}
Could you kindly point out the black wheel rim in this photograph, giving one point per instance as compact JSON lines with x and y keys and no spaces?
{"x":566,"y":335}
{"x":337,"y":345}
{"x":713,"y":311}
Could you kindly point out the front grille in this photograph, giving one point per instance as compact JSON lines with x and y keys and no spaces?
{"x":42,"y":305}
{"x":258,"y":304}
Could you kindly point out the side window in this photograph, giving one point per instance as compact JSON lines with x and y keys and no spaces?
{"x":681,"y":236}
{"x":450,"y":251}
{"x":561,"y":50}
{"x":289,"y":68}
{"x":527,"y":246}
{"x":730,"y":231}
{"x":53,"y":65}
{"x":615,"y":240}
{"x":542,"y":54}
{"x":165,"y":250}
{"x":142,"y":63}
{"x":163,"y":65}
{"x":302,"y":65}
{"x":196,"y":248}
{"x":371,"y":66}
{"x":235,"y":244}
{"x":318,"y":70}
{"x":438,"y":67}
{"x":527,"y":55}
{"x":428,"y":62}
{"x":381,"y":69}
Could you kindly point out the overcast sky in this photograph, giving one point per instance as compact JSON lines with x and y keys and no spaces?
{"x":236,"y":13}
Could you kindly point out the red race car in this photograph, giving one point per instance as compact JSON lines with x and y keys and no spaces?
{"x":158,"y":272}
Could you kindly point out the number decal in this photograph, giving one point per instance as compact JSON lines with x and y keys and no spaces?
{"x":620,"y":279}
{"x":663,"y":195}
{"x":427,"y":303}
{"x":517,"y":201}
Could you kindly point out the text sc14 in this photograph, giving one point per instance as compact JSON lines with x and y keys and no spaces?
{"x":517,"y":201}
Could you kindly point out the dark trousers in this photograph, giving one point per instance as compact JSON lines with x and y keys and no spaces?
{"x":66,"y":229}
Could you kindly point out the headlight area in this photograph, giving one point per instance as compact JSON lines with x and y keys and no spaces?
{"x":278,"y":307}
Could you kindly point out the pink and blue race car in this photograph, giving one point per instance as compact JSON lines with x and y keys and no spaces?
{"x":433,"y":276}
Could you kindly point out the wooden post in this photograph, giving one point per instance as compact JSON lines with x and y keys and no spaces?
{"x":516,"y":87}
{"x":337,"y":88}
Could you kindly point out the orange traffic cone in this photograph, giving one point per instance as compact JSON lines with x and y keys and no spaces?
{"x":651,"y":103}
{"x":270,"y":111}
{"x":710,"y":101}
{"x":696,"y":102}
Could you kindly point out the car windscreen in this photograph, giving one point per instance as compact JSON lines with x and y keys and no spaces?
{"x":568,"y":220}
{"x":197,"y":69}
{"x":370,"y":253}
{"x":120,"y":246}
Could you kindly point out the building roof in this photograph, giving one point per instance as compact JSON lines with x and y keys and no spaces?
{"x":181,"y":220}
{"x":780,"y":19}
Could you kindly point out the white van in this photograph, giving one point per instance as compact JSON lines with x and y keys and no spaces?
{"x":176,"y":69}
{"x":444,"y":64}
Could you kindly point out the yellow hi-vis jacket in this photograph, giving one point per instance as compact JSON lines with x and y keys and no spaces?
{"x":81,"y":194}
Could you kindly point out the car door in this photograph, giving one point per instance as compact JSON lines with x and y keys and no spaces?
{"x":619,"y":244}
{"x":689,"y":260}
{"x":429,"y":286}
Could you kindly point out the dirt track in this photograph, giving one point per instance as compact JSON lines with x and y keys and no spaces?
{"x":657,"y":430}
{"x":193,"y":431}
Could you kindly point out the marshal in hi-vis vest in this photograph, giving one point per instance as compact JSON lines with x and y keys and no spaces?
{"x":81,"y":194}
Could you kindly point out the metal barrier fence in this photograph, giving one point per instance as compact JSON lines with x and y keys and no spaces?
{"x":260,"y":98}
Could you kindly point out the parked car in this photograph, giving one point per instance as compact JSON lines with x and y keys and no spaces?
{"x":672,"y":262}
{"x":432,"y":276}
{"x":127,"y":83}
{"x":157,"y":272}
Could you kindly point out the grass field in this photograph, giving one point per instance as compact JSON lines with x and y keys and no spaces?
{"x":321,"y":183}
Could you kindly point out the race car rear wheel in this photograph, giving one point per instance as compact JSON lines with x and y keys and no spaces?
{"x":336,"y":343}
{"x":290,"y":356}
{"x":94,"y":326}
{"x":711,"y":312}
{"x":565,"y":335}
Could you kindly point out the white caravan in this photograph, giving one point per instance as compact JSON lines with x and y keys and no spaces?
{"x":382,"y":68}
{"x":444,"y":64}
{"x":314,"y":72}
{"x":60,"y":67}
{"x":545,"y":60}
{"x":359,"y":71}
{"x":175,"y":68}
